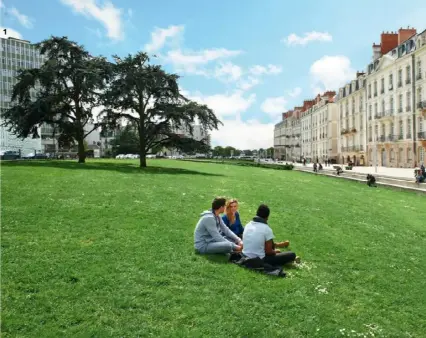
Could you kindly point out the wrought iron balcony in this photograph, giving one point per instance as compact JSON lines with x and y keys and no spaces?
{"x":381,"y":138}
{"x":391,"y":138}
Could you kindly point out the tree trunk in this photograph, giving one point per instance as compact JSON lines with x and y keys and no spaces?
{"x":142,"y":161}
{"x":81,"y":150}
{"x":142,"y":150}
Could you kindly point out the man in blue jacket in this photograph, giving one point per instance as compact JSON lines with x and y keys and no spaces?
{"x":211,"y":235}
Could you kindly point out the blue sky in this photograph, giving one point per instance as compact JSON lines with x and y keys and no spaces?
{"x":249,"y":60}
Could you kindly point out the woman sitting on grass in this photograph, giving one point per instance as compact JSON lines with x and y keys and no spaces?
{"x":232,"y":218}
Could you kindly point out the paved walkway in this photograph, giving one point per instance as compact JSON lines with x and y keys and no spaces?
{"x":384,"y":171}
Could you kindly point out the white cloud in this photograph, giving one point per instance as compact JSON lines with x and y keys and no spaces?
{"x":295,"y":92}
{"x":22,"y":18}
{"x":249,"y":83}
{"x":270,"y":69}
{"x":235,"y":132}
{"x":107,"y":15}
{"x":294,"y":39}
{"x":10,"y":33}
{"x":274,"y":105}
{"x":191,"y":61}
{"x":243,"y":134}
{"x":331,"y":72}
{"x":228,"y":72}
{"x":160,"y":35}
{"x":224,"y":104}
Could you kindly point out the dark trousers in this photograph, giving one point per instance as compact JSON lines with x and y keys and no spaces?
{"x":280,"y":258}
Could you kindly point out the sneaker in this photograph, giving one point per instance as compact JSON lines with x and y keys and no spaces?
{"x":298,"y":260}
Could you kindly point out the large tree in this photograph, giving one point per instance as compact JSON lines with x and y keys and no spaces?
{"x":149,"y":98}
{"x":67,"y":87}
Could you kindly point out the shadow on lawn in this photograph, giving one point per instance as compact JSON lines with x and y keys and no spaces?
{"x":120,"y":167}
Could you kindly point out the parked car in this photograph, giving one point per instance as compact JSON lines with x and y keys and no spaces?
{"x":10,"y":155}
{"x":37,"y":156}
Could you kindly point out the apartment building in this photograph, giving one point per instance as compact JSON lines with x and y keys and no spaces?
{"x":16,"y":54}
{"x":351,"y":103}
{"x":309,"y":131}
{"x":287,"y":136}
{"x":324,"y":128}
{"x":394,"y":100}
{"x":420,"y":85}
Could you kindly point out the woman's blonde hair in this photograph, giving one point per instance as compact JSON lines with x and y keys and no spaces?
{"x":228,"y":212}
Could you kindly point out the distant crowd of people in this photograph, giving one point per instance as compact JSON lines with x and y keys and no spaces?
{"x":220,"y":231}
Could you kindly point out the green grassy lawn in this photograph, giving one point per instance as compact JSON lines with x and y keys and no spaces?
{"x":106,"y":250}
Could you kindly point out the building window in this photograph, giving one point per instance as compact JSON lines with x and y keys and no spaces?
{"x":375,"y":88}
{"x":408,"y":101}
{"x":360,"y":104}
{"x":391,"y":104}
{"x":419,"y":69}
{"x":408,"y":75}
{"x":401,"y":129}
{"x":401,"y":155}
{"x":383,"y":106}
{"x":400,"y":78}
{"x":419,"y":94}
{"x":400,"y":103}
{"x":392,"y":155}
{"x":369,"y":90}
{"x":421,"y":155}
{"x":409,"y":128}
{"x":382,"y":89}
{"x":390,"y":81}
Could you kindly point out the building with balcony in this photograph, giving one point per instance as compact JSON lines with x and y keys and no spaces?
{"x":309,"y":131}
{"x":392,"y":99}
{"x":351,"y":101}
{"x":324,"y":128}
{"x":420,"y":90}
{"x":287,"y":136}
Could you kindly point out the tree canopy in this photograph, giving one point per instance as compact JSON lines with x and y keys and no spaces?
{"x":149,"y":98}
{"x":67,"y":87}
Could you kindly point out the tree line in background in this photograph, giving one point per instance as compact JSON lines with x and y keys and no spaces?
{"x":127,"y":142}
{"x":231,"y":151}
{"x":71,"y":87}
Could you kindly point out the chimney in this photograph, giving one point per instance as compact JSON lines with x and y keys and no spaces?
{"x":376,"y":51}
{"x":388,"y":41}
{"x":405,"y":33}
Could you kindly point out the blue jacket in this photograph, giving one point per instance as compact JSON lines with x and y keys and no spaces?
{"x":237,"y":228}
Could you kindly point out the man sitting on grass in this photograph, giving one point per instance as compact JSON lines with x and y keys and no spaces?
{"x":211,"y":235}
{"x":259,"y":243}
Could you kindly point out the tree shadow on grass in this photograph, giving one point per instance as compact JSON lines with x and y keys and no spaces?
{"x":128,"y":168}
